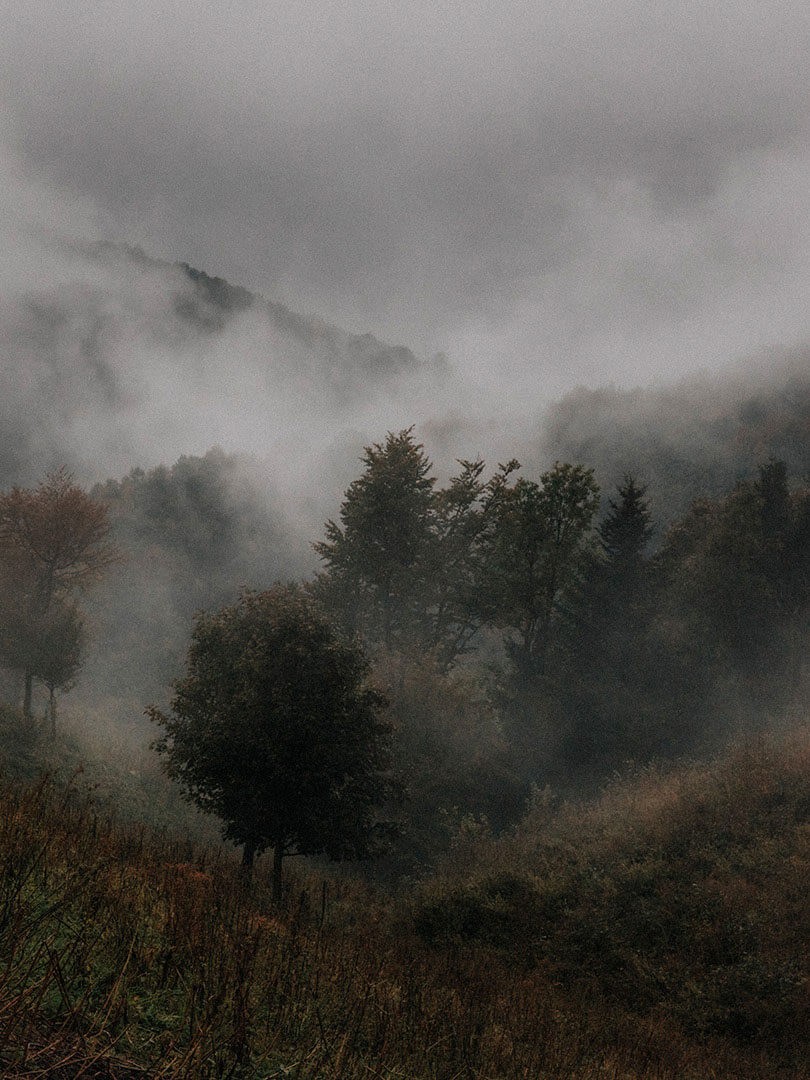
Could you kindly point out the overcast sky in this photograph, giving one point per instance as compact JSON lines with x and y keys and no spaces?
{"x":554,"y":193}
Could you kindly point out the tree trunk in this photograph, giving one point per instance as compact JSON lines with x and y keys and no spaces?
{"x":248,"y":859}
{"x":52,"y":710}
{"x":278,"y":855}
{"x":28,"y":694}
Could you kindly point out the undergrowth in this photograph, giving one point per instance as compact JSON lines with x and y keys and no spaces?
{"x":602,"y":942}
{"x":681,"y":893}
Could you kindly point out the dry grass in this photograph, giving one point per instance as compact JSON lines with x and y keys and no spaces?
{"x":680,"y":893}
{"x":126,"y":954}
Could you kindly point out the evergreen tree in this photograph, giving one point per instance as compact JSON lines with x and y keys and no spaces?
{"x":375,"y":556}
{"x":405,"y":568}
{"x":736,"y":568}
{"x":616,"y":663}
{"x":626,"y":530}
{"x":537,"y":553}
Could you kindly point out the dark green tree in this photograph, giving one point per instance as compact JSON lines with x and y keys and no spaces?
{"x":275,"y":730}
{"x":403,"y":569}
{"x":616,"y":664}
{"x":626,"y":529}
{"x":375,"y":557}
{"x":537,"y":554}
{"x":457,"y":559}
{"x":737,"y":570}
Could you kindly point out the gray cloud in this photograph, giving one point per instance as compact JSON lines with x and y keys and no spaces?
{"x":553,"y":193}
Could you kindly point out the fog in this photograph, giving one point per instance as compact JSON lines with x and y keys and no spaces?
{"x":553,"y":195}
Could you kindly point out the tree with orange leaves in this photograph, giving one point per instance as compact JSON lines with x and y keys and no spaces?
{"x":54,"y":542}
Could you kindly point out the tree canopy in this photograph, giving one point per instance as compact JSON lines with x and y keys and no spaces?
{"x":541,"y":536}
{"x":275,"y":729}
{"x":54,"y":542}
{"x":375,"y":557}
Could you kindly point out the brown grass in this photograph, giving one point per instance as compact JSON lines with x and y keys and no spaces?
{"x":124,"y":953}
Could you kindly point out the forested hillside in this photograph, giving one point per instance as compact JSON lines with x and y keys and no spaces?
{"x":693,"y":438}
{"x":528,"y":630}
{"x":95,"y":364}
{"x":404,"y":541}
{"x":548,"y":710}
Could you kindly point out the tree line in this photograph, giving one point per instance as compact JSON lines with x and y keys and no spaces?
{"x":462,"y":644}
{"x":524,"y":632}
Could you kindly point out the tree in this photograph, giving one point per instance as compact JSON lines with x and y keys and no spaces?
{"x":449,"y":754}
{"x":375,"y":555}
{"x":540,"y":539}
{"x":275,"y":729}
{"x":56,"y":652}
{"x":457,"y":563}
{"x":617,"y":667}
{"x":403,"y":568}
{"x":626,"y":529}
{"x":739,"y":567}
{"x":54,"y":542}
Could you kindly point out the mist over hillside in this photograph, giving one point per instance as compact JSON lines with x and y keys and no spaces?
{"x":692,"y":438}
{"x":405,"y":462}
{"x":116,"y":360}
{"x":222,"y":428}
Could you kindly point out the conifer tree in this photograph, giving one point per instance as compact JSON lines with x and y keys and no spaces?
{"x":537,"y":555}
{"x":374,"y":557}
{"x":626,"y":529}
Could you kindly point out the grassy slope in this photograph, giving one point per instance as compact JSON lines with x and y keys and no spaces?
{"x":680,"y":893}
{"x":657,"y":934}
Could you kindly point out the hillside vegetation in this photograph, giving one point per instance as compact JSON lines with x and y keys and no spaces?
{"x":563,"y":707}
{"x":658,"y":932}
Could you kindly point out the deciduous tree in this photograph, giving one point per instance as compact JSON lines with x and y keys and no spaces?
{"x":54,"y":542}
{"x":275,"y":729}
{"x":55,"y":653}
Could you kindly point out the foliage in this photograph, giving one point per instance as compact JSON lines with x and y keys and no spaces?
{"x":406,"y":567}
{"x":692,"y":440}
{"x":56,"y":535}
{"x":613,"y":654}
{"x":626,"y":529}
{"x":739,"y":567}
{"x":55,"y":651}
{"x":195,"y":532}
{"x":449,"y":754}
{"x":275,"y":730}
{"x":619,"y":683}
{"x":54,"y":542}
{"x":378,"y":550}
{"x":539,"y":543}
